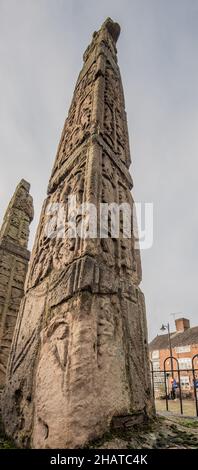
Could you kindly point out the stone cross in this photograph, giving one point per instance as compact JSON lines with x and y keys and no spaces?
{"x":14,"y":258}
{"x":79,"y":359}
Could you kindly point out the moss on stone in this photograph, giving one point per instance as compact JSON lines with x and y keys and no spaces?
{"x":5,"y":442}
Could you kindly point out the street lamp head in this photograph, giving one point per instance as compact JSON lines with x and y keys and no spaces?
{"x":163,"y":327}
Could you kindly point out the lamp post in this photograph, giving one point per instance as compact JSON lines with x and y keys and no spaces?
{"x":163,"y":328}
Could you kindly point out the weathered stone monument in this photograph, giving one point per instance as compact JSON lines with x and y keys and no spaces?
{"x":79,"y":359}
{"x":14,"y":258}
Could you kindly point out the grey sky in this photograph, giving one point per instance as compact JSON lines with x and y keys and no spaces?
{"x":41,"y":47}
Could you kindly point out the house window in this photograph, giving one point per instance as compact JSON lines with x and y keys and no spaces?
{"x":185,"y":380}
{"x":185,"y":383}
{"x":185,"y":363}
{"x":182,"y":349}
{"x":156,"y":365}
{"x":155,"y":354}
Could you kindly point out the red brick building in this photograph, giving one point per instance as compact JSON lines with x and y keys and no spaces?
{"x":184,"y":342}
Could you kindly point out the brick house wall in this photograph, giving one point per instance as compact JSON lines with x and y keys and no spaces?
{"x":184,"y":346}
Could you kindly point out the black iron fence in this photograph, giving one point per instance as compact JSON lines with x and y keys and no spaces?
{"x":168,"y":383}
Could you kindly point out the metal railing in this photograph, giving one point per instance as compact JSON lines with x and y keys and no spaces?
{"x":176,"y":372}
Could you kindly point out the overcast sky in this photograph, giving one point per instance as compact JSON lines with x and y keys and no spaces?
{"x":41,"y":47}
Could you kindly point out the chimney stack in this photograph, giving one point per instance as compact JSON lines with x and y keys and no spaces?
{"x":182,"y":324}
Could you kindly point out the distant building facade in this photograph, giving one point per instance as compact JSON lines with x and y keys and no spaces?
{"x":184,"y":342}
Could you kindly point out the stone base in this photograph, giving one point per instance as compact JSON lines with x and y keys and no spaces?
{"x":85,"y":370}
{"x":128,"y":422}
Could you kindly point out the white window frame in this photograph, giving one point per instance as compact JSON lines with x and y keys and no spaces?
{"x":182,"y":349}
{"x":185,"y":363}
{"x":156,"y":365}
{"x":155,"y":354}
{"x":185,"y":380}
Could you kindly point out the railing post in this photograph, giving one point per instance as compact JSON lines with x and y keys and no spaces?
{"x":165,"y":383}
{"x":178,"y":371}
{"x":180,"y":392}
{"x":152,"y":374}
{"x":194,"y":383}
